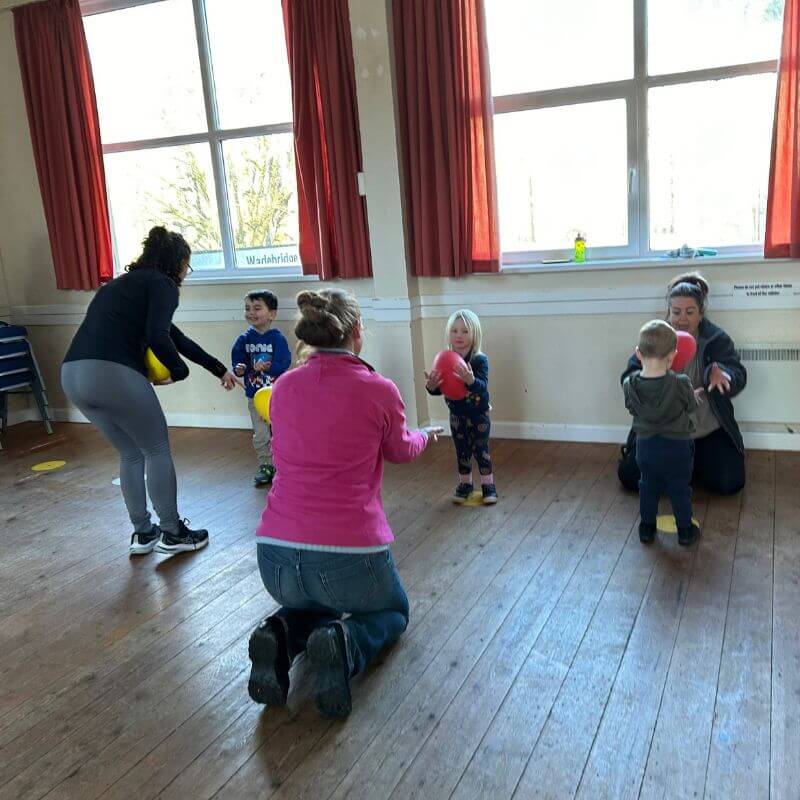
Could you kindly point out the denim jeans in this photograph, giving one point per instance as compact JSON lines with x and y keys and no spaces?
{"x":665,"y":466}
{"x":316,"y":588}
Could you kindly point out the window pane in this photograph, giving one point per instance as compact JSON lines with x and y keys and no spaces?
{"x":170,"y":186}
{"x":146,"y":71}
{"x":540,"y":44}
{"x":262,"y":195}
{"x":251,"y":68}
{"x":709,"y":162}
{"x":561,"y":171}
{"x":697,"y":34}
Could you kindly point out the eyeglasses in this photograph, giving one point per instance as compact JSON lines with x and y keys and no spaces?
{"x":189,"y":269}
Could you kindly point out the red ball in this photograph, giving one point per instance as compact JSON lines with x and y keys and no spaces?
{"x":453,"y":388}
{"x":687,"y":347}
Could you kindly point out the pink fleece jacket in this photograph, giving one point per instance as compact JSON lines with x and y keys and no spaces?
{"x":334,"y":421}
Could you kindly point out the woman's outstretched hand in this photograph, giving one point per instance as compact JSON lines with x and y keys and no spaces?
{"x":433,"y":432}
{"x":719,"y":380}
{"x":229,"y":381}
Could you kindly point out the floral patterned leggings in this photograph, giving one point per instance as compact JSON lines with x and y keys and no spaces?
{"x":471,"y":439}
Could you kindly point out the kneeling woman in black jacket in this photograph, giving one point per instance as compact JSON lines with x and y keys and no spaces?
{"x":716,"y":368}
{"x":104,"y":375}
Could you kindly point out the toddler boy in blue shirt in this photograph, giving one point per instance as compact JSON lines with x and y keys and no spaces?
{"x":260,"y":356}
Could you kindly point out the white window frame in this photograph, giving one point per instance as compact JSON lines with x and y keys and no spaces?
{"x":214,"y":137}
{"x":634,"y":92}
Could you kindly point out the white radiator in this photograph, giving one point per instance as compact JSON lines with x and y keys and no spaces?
{"x":772,"y":395}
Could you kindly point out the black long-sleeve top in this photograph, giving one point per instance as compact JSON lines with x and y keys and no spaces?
{"x":130,"y":314}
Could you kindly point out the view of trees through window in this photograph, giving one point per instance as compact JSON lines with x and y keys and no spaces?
{"x":199,"y":139}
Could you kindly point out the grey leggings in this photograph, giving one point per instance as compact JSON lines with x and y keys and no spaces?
{"x":123,"y":406}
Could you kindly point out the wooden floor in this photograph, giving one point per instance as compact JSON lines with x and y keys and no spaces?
{"x":549,"y":653}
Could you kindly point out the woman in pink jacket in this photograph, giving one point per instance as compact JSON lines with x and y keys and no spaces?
{"x":323,"y":541}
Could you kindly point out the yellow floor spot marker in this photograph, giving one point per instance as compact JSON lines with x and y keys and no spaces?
{"x":475,"y":499}
{"x":666,"y":523}
{"x":48,"y":466}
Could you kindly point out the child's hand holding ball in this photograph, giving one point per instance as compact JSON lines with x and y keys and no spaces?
{"x":463,"y":372}
{"x":435,"y":379}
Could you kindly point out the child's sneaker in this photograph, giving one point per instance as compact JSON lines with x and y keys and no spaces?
{"x":687,"y":536}
{"x":143,"y":543}
{"x":264,"y":476}
{"x":462,"y":493}
{"x":269,"y":652}
{"x":489,"y":494}
{"x":647,"y":532}
{"x":183,"y":541}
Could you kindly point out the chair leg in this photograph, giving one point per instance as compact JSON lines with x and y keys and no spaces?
{"x":41,"y":401}
{"x":3,"y":414}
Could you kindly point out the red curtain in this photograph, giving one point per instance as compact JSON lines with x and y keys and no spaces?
{"x":333,"y":224}
{"x":782,"y":238}
{"x":65,"y":131}
{"x":447,"y":147}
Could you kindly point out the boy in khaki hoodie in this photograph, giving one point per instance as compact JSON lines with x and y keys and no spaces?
{"x":661,"y":402}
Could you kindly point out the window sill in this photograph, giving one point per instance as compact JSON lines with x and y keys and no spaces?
{"x":640,"y":263}
{"x":204,"y":279}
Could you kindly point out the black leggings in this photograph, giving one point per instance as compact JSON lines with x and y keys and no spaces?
{"x":718,"y":465}
{"x":471,"y":439}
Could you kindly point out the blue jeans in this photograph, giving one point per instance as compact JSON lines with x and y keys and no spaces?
{"x":316,"y":588}
{"x":665,"y":466}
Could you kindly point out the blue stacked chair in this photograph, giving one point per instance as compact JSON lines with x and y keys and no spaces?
{"x":19,"y":373}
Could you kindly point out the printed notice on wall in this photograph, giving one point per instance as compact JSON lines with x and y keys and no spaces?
{"x":765,"y":289}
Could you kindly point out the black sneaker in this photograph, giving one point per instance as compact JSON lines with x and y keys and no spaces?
{"x":143,"y":543}
{"x":327,"y":652}
{"x":462,"y":493}
{"x":184,"y":540}
{"x":269,"y":676}
{"x":489,"y":494}
{"x":687,"y":536}
{"x":265,"y":475}
{"x":647,"y":532}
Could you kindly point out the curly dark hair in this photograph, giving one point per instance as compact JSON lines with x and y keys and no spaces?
{"x":165,"y":251}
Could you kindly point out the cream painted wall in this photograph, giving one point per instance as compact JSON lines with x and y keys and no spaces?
{"x":565,"y":370}
{"x":4,"y":304}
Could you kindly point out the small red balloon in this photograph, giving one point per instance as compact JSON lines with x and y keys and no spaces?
{"x":687,"y":347}
{"x":453,"y":388}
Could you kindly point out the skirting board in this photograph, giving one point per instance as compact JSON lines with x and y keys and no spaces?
{"x":610,"y":434}
{"x":614,"y":434}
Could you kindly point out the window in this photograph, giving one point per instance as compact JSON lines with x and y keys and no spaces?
{"x":643,"y":124}
{"x":195,"y":112}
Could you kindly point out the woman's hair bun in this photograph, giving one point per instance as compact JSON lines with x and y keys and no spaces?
{"x":327,"y":317}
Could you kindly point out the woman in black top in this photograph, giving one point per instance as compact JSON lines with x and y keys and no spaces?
{"x":716,"y":368}
{"x":105,"y":377}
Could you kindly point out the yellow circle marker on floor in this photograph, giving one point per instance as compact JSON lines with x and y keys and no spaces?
{"x":666,"y":523}
{"x":48,"y":466}
{"x":475,"y":499}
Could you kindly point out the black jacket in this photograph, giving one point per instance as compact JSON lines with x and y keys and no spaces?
{"x":130,"y":314}
{"x":714,"y":346}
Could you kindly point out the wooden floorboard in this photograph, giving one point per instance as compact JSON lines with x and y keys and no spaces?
{"x":549,"y":654}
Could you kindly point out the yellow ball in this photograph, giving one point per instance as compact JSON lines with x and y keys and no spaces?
{"x":156,"y":371}
{"x":261,"y":402}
